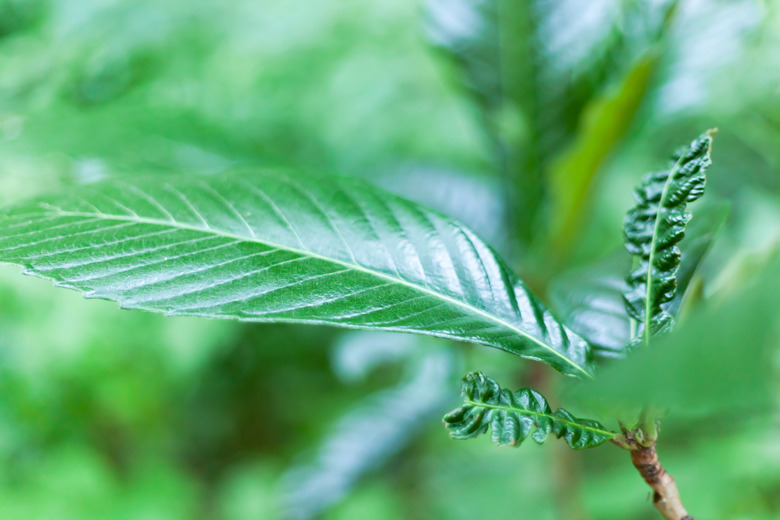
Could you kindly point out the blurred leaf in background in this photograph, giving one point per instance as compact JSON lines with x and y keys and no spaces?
{"x":721,"y":363}
{"x":380,"y":425}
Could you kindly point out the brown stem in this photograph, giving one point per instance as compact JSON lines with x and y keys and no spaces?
{"x":666,"y":498}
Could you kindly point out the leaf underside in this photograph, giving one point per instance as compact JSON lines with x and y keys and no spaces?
{"x":275,"y":246}
{"x":652,"y":230}
{"x":512,"y":417}
{"x":590,"y":299}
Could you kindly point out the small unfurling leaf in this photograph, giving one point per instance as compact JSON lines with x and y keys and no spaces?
{"x":589,"y":299}
{"x":652,"y":230}
{"x":514,"y":416}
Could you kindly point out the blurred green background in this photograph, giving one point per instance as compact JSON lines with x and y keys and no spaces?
{"x":532,"y":128}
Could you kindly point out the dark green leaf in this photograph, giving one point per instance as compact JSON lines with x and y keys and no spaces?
{"x":604,"y":122}
{"x":535,"y":90}
{"x":20,"y":15}
{"x":590,"y":299}
{"x":513,"y":416}
{"x":273,"y":246}
{"x":494,"y":45}
{"x":652,"y":230}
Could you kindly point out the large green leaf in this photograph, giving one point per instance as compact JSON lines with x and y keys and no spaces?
{"x":604,"y":122}
{"x":512,"y":417}
{"x":722,"y":361}
{"x":652,"y":230}
{"x":272,"y":246}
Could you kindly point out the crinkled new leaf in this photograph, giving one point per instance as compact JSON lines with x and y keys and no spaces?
{"x":512,"y":417}
{"x":653,"y":229}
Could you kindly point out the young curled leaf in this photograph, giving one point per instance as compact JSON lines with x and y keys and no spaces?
{"x":514,"y":416}
{"x":590,"y":299}
{"x":654,"y":227}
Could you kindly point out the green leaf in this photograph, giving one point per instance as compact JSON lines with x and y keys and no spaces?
{"x":589,"y":300}
{"x":652,"y":230}
{"x":604,"y":122}
{"x":19,"y":15}
{"x":535,"y":91}
{"x":475,"y":200}
{"x":513,"y":416}
{"x":370,"y":433}
{"x":493,"y":44}
{"x":465,"y":31}
{"x":722,"y":361}
{"x":273,"y":246}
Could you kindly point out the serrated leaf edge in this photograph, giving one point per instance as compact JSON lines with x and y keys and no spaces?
{"x":253,"y":238}
{"x":646,"y":325}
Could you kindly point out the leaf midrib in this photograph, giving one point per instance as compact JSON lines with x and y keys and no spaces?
{"x":303,"y":252}
{"x":611,"y":434}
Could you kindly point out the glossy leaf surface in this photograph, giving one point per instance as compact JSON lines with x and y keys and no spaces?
{"x":273,"y":246}
{"x":590,"y":301}
{"x":654,"y":227}
{"x":512,"y":417}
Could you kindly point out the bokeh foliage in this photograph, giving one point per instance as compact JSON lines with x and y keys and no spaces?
{"x":115,"y":414}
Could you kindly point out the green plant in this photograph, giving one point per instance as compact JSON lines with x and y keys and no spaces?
{"x":271,"y":246}
{"x":106,"y":413}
